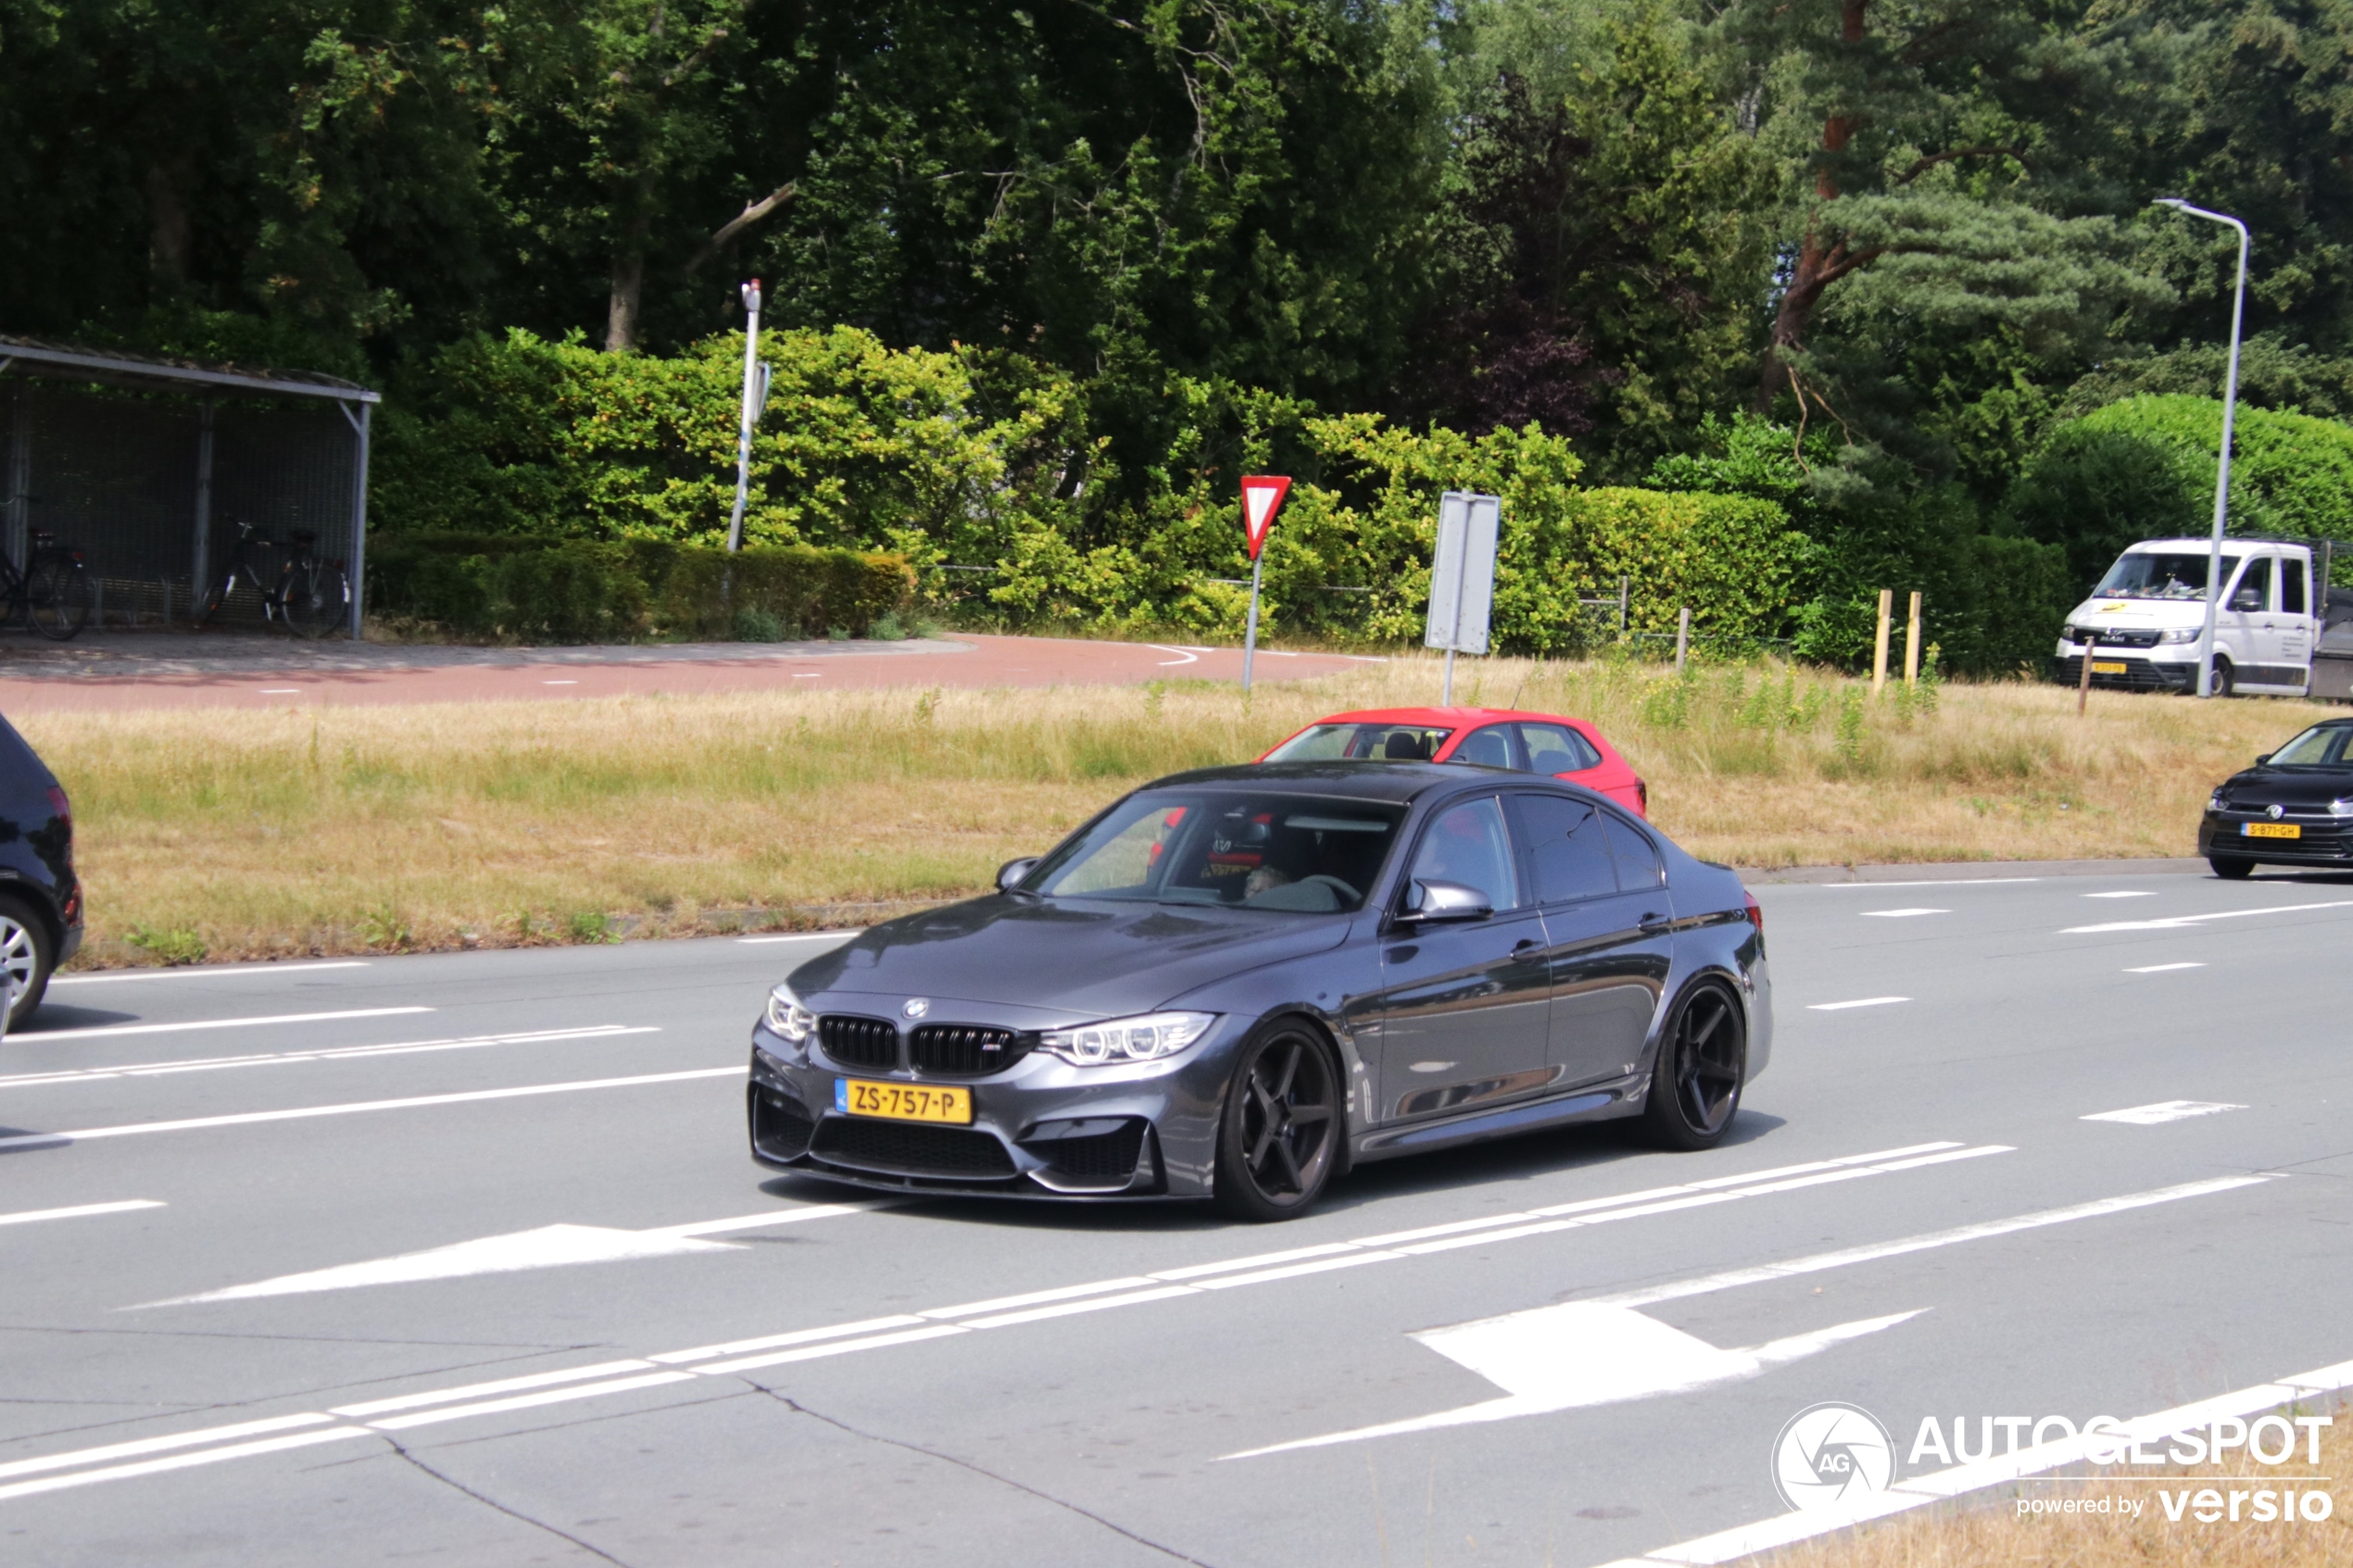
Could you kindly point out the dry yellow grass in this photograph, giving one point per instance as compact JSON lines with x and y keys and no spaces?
{"x":1987,"y":1531}
{"x":337,"y":829}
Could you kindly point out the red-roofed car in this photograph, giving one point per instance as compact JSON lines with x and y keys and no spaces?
{"x":1493,"y":737}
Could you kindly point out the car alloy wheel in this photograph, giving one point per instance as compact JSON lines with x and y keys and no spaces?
{"x":1695,"y":1090}
{"x":1281,"y":1125}
{"x":24,"y":954}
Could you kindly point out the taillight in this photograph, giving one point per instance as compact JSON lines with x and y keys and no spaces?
{"x":1756,"y":915}
{"x":61,"y":807}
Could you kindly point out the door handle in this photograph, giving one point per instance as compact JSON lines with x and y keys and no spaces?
{"x":1654,"y":923}
{"x":1523,"y":945}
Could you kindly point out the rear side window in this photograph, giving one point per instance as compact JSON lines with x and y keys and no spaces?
{"x":1557,"y":748}
{"x":2292,"y":588}
{"x":1638,"y":864}
{"x":1568,"y":850}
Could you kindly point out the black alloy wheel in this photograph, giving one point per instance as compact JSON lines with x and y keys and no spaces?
{"x":1280,"y":1133}
{"x":2231,"y":868}
{"x":1695,"y":1090}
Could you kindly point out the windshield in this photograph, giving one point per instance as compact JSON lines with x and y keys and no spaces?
{"x":1382,"y":743}
{"x":2319,"y":746}
{"x":2165,"y":576}
{"x":1291,"y":853}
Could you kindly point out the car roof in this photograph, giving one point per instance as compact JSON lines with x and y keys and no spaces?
{"x":1362,"y":779}
{"x":1455,"y":717}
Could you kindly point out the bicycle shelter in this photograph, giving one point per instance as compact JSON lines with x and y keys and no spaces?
{"x":147,"y":465}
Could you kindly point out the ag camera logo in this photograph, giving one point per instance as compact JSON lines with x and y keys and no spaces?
{"x":1832,"y":1456}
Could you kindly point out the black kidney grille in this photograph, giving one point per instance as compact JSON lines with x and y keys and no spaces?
{"x":859,"y":1042}
{"x":910,"y":1149}
{"x":965,"y":1050}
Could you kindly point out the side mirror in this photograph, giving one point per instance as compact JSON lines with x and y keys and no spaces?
{"x":1432,"y":902}
{"x":1009,"y":876}
{"x":2260,"y":760}
{"x":2247,"y":599}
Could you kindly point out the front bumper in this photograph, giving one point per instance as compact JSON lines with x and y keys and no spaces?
{"x":1041,"y":1128}
{"x":2321,"y":840}
{"x":2141,"y":672}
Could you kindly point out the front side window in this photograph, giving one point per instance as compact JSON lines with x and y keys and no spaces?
{"x":1467,"y":844}
{"x":1285,"y":853}
{"x":1557,"y":748}
{"x":1379,"y":743}
{"x":2254,"y":590}
{"x":2155,"y":576}
{"x":2316,"y":747}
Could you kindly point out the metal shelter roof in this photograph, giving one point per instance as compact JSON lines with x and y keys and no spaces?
{"x":153,"y":372}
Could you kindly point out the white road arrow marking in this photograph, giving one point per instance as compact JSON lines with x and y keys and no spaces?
{"x":549,"y":1246}
{"x":2163,"y":1111}
{"x":2185,"y":922}
{"x":1586,"y":1353}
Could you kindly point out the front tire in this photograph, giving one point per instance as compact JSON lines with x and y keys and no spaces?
{"x":2231,"y":868}
{"x":1703,"y":1063}
{"x":1278,"y":1137}
{"x":59,"y":599}
{"x":318,"y":597}
{"x":28,"y":955}
{"x":2222,"y":677}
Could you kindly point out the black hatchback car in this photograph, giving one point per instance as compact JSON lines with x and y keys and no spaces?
{"x":1236,"y":982}
{"x":2294,"y":808}
{"x":40,"y":896}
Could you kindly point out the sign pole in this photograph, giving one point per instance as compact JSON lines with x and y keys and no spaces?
{"x":1263,"y":495}
{"x":750,"y":412}
{"x":1249,"y":633}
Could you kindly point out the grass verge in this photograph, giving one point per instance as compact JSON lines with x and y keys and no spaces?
{"x":1991,"y":1529}
{"x":308,"y":830}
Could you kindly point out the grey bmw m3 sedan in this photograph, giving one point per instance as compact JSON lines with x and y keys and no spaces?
{"x":1235,"y":983}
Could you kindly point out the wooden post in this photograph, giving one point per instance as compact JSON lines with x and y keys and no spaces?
{"x":1879,"y":645}
{"x":1683,"y":637}
{"x":1912,"y":643}
{"x":2084,"y":678}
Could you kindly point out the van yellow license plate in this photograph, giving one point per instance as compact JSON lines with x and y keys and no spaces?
{"x":902,"y":1102}
{"x":2100,"y":667}
{"x":2270,"y":830}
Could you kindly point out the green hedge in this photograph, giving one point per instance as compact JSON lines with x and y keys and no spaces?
{"x":582,"y":591}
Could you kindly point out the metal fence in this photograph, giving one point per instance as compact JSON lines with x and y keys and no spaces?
{"x":148,"y":467}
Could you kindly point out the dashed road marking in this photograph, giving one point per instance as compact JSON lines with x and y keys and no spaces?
{"x":1858,"y":1002}
{"x":2163,"y":1111}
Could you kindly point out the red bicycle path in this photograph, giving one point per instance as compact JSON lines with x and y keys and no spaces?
{"x":121,"y":676}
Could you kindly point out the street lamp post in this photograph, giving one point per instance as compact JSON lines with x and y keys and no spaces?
{"x":2222,"y":473}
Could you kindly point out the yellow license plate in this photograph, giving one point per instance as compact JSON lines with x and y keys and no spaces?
{"x":902,"y":1102}
{"x":2270,"y":830}
{"x":2099,"y":668}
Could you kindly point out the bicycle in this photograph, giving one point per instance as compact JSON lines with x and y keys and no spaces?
{"x":54,"y":592}
{"x":311,"y":595}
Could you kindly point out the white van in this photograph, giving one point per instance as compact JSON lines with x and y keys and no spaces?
{"x":2143,"y":622}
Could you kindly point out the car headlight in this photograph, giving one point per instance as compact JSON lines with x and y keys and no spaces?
{"x":788,"y":1017}
{"x":2341,"y":807}
{"x":2214,"y":801}
{"x":2180,"y":635}
{"x":1128,"y":1039}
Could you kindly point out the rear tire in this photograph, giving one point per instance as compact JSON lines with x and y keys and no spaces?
{"x":59,"y":597}
{"x":1279,"y":1135}
{"x":28,"y":955}
{"x":318,"y":596}
{"x":1702,"y":1066}
{"x":2229,"y":867}
{"x":2222,"y":677}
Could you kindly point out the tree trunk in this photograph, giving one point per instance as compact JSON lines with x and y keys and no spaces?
{"x":628,"y":276}
{"x":169,"y":240}
{"x":1817,"y":265}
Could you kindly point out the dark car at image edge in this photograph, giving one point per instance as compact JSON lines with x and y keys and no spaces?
{"x":2293,"y":808}
{"x":1238,"y":982}
{"x":40,"y":896}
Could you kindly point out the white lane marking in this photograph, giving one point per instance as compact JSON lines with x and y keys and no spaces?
{"x":559,"y":682}
{"x":2141,"y":893}
{"x":2163,"y":1111}
{"x":2179,"y":922}
{"x":2162,"y":968}
{"x":1945,"y":882}
{"x":162,"y":1444}
{"x":1919,"y":1491}
{"x":249,"y":1117}
{"x":548,"y":1247}
{"x":43,"y":1036}
{"x":865,"y":1341}
{"x":182,"y":1462}
{"x":531,"y":1402}
{"x":797,"y":937}
{"x":202,"y":972}
{"x":29,"y":1216}
{"x":1581,"y":1353}
{"x":1983,"y":1231}
{"x":798,"y":1337}
{"x":1861,"y":1002}
{"x":329,"y":1053}
{"x":808,"y":675}
{"x":488,"y":1390}
{"x":280,"y":691}
{"x":1184,"y":655}
{"x":1900,"y":914}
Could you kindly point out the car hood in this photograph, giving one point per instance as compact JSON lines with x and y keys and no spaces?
{"x":2138,"y":614}
{"x":1074,"y":959}
{"x":2286,"y":787}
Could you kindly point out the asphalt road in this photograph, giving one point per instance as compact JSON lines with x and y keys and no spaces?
{"x":691,"y":1361}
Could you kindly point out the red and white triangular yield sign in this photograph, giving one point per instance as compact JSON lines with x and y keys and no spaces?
{"x":1261,"y":499}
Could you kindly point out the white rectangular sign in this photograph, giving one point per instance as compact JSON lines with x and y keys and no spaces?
{"x":1462,"y":579}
